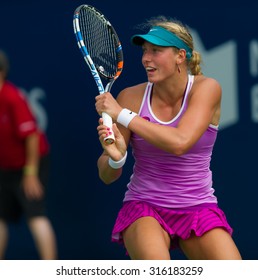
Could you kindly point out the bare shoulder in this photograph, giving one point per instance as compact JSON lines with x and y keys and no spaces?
{"x":206,"y":87}
{"x":131,"y":97}
{"x":203,"y":82}
{"x":206,"y":93}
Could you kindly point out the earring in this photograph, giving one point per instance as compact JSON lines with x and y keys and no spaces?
{"x":178,"y":69}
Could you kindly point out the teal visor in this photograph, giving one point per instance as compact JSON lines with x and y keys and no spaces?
{"x":160,"y":36}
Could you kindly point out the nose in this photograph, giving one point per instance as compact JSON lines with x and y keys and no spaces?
{"x":146,"y":57}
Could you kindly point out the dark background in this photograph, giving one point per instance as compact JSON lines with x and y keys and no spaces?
{"x":38,"y":37}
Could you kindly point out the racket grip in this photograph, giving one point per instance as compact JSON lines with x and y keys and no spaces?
{"x":107,"y":121}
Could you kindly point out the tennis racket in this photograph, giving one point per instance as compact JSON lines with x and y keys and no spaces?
{"x":101,"y":49}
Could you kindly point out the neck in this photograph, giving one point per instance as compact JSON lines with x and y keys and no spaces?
{"x":172,"y":90}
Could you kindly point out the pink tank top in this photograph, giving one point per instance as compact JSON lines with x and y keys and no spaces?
{"x":167,"y":180}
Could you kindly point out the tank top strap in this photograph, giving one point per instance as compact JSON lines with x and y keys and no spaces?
{"x":188,"y":87}
{"x":145,"y":98}
{"x":148,"y":90}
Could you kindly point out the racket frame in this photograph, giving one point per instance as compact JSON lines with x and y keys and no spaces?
{"x":97,"y":74}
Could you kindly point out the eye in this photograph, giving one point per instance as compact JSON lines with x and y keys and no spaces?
{"x":157,"y":49}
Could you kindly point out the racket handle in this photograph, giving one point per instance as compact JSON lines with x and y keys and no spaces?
{"x":107,"y":121}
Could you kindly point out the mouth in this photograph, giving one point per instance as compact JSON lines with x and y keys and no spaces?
{"x":150,"y":69}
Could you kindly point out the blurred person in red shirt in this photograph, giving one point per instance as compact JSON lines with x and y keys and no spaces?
{"x":24,"y":164}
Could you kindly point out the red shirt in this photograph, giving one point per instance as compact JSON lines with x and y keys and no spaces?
{"x":16,"y":123}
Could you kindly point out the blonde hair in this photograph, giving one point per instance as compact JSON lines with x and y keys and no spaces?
{"x":182,"y":31}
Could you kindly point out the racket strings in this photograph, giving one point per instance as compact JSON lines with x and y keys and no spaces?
{"x":100,"y":42}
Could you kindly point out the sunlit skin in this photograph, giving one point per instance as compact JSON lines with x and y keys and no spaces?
{"x":145,"y":238}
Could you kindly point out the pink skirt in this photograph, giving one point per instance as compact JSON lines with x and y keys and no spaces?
{"x":178,"y":223}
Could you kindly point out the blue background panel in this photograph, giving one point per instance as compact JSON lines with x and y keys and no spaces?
{"x":47,"y":64}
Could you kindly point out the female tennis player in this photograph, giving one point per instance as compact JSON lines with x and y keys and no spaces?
{"x":171,"y":122}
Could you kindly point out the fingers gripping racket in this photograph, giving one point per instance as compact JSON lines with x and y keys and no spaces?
{"x":101,"y":50}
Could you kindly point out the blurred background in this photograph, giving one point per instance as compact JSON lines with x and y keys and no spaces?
{"x":48,"y":66}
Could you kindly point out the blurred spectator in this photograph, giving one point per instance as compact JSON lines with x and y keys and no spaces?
{"x":24,"y":164}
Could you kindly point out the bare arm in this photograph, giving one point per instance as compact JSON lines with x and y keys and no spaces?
{"x":122,"y":135}
{"x":31,"y":151}
{"x":203,"y":108}
{"x":106,"y":173}
{"x":31,"y":183}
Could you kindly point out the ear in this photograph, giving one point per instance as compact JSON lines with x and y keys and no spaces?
{"x":181,"y":56}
